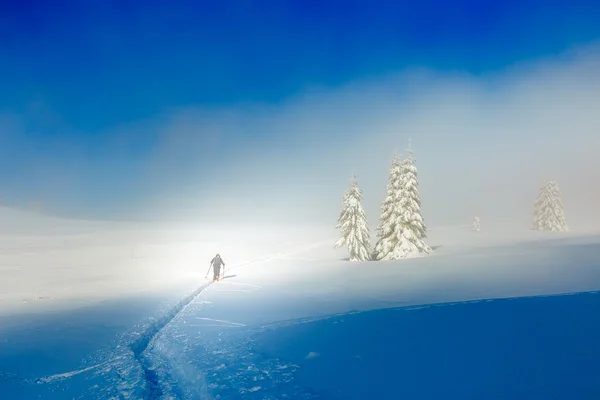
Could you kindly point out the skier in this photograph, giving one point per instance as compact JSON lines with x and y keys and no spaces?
{"x":216,"y":264}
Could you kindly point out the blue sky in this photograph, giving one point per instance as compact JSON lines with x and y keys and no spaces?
{"x":107,"y":106}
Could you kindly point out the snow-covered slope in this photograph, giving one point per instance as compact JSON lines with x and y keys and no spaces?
{"x":206,"y":341}
{"x":209,"y":347}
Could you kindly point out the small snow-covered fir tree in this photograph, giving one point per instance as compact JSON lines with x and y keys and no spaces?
{"x":548,"y":213}
{"x":413,"y":231}
{"x":353,"y":225}
{"x":476,"y":227}
{"x":388,"y":228}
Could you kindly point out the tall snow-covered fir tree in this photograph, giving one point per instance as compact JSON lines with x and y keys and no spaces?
{"x":413,"y":231}
{"x":353,"y":225}
{"x":548,"y":213}
{"x":388,"y":231}
{"x":476,"y":227}
{"x":401,"y":230}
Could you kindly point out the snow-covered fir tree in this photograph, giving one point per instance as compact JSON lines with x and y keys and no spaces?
{"x":388,"y":229}
{"x":548,"y":213}
{"x":413,"y":230}
{"x":353,"y":225}
{"x":476,"y":227}
{"x":402,"y":230}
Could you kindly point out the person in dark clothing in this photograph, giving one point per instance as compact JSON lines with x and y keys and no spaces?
{"x":216,"y":264}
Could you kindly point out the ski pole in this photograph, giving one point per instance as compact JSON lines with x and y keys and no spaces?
{"x":208,"y":272}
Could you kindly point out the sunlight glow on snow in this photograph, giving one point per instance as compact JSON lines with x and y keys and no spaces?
{"x":47,"y":260}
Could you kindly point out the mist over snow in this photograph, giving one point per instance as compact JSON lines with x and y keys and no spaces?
{"x":482,"y":145}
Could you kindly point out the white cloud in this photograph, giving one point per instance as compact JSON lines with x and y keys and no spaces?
{"x":483,"y":145}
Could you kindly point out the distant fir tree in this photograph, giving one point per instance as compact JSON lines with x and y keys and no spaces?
{"x":548,"y":213}
{"x":476,"y":227}
{"x":353,"y":225}
{"x":388,"y":230}
{"x":413,"y":230}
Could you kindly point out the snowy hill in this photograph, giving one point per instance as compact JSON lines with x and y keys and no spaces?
{"x":291,"y":310}
{"x":265,"y":334}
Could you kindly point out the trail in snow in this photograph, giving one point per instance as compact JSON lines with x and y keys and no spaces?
{"x":221,"y":321}
{"x":70,"y":374}
{"x":139,"y":346}
{"x":145,"y":382}
{"x":158,"y":381}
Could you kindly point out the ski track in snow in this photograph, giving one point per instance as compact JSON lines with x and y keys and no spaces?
{"x":139,"y":346}
{"x":149,"y":385}
{"x":70,"y":374}
{"x":221,"y":321}
{"x":154,"y":382}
